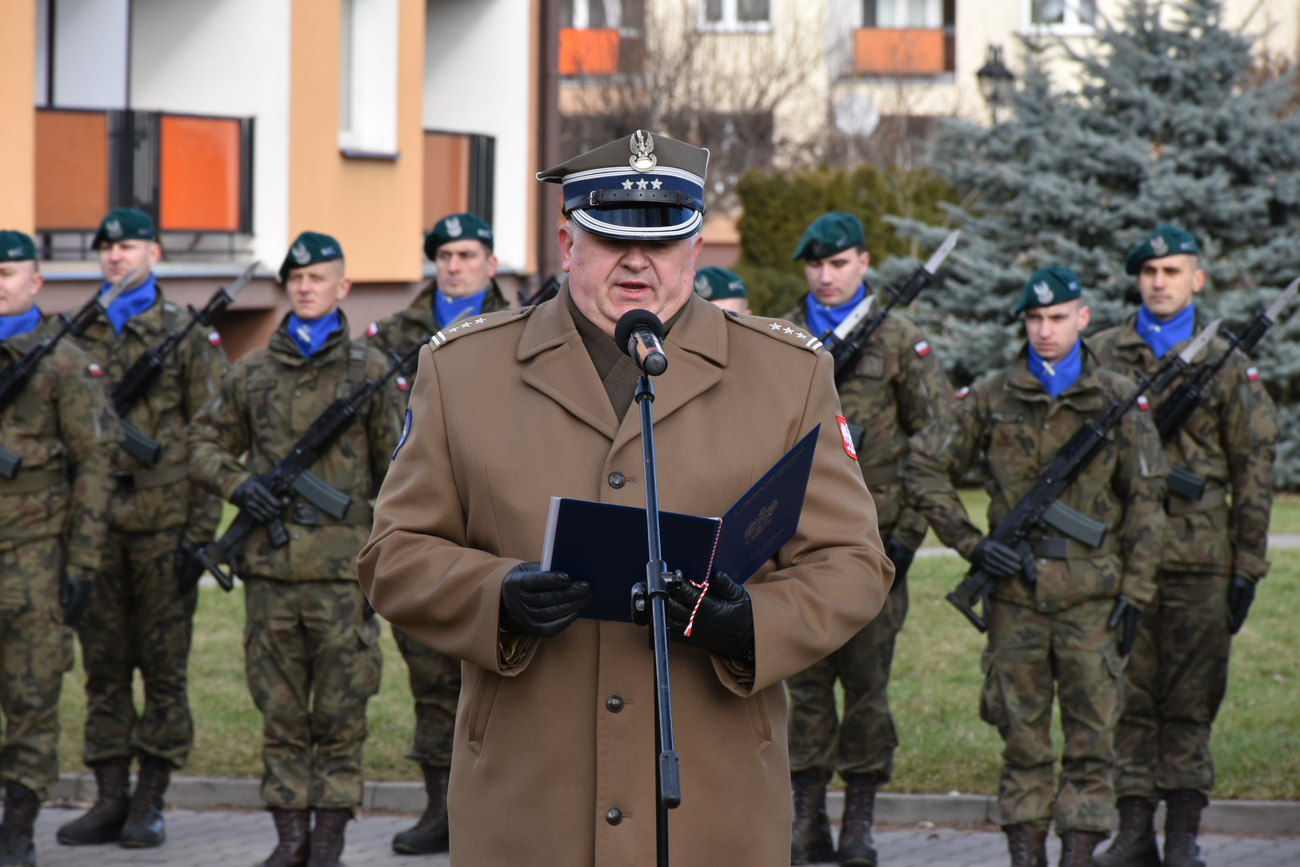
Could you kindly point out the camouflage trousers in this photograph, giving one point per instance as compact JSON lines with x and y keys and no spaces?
{"x":312,"y":659}
{"x":1175,"y":681}
{"x":864,"y":742}
{"x":1032,"y":658}
{"x":35,"y":652}
{"x":138,"y":619}
{"x":435,"y":686}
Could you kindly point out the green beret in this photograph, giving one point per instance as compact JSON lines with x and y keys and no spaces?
{"x":457,"y":227}
{"x":16,"y":246}
{"x":830,"y":234}
{"x":1048,"y":286}
{"x":1166,"y":240}
{"x":125,"y":224}
{"x":715,"y":284}
{"x":308,"y":249}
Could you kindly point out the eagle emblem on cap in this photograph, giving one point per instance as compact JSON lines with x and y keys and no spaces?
{"x":453,"y":227}
{"x":702,"y":287}
{"x":300,"y":253}
{"x":642,"y":145}
{"x":1044,"y":292}
{"x":113,"y":228}
{"x":1159,"y":246}
{"x":16,"y":251}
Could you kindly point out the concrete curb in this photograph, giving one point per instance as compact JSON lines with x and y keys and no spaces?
{"x":207,"y":793}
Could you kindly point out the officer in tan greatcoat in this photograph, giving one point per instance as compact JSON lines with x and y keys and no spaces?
{"x":555,"y":728}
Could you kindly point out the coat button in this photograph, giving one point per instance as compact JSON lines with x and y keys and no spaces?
{"x":617,"y":479}
{"x":614,"y":703}
{"x":613,"y":815}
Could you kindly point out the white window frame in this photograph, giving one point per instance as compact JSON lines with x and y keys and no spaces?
{"x":729,"y":23}
{"x":933,"y":16}
{"x":582,"y":14}
{"x":373,"y":77}
{"x":1070,"y":26}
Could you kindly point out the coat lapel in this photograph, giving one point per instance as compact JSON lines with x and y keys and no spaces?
{"x":558,"y":366}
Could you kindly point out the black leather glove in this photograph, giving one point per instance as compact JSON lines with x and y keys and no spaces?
{"x":724,"y":623}
{"x":188,"y":568}
{"x":901,"y":556}
{"x":1241,"y":592}
{"x":254,"y":497}
{"x":1129,"y":615}
{"x":995,"y":558}
{"x":75,"y":589}
{"x":540,"y":603}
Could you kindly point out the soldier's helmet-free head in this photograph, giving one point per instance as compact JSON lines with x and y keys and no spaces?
{"x":831,"y":233}
{"x":639,"y":187}
{"x":1166,"y":240}
{"x":457,"y":227}
{"x":16,"y":246}
{"x":1048,"y":286}
{"x":717,"y":284}
{"x":125,"y":224}
{"x":308,"y":249}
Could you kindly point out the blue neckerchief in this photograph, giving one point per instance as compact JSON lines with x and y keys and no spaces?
{"x":447,"y":310}
{"x":822,"y":318}
{"x":12,"y":326}
{"x":1056,"y":378}
{"x":130,"y":303}
{"x":309,"y":335}
{"x":1163,"y":336}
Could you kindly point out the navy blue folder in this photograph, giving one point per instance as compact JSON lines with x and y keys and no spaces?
{"x":606,"y":546}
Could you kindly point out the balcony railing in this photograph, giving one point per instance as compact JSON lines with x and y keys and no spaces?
{"x":888,"y":51}
{"x":600,"y":51}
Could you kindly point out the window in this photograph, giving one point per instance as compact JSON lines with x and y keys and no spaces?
{"x":368,"y":77}
{"x":735,"y":15}
{"x":1078,"y":16}
{"x":903,"y":13}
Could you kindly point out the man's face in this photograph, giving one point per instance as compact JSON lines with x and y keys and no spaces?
{"x":116,"y":258}
{"x":316,"y":290}
{"x":1054,"y":330}
{"x":19,"y":283}
{"x":607,"y":278}
{"x":1168,"y":284}
{"x":836,"y":279}
{"x":464,"y":267}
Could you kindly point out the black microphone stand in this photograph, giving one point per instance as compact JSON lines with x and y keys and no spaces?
{"x":655,"y":590}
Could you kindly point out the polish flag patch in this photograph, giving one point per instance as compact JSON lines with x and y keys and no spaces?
{"x":372,"y":329}
{"x":962,"y":392}
{"x":847,"y":437}
{"x":94,"y":369}
{"x":1252,"y":374}
{"x":402,"y":384}
{"x":214,"y":338}
{"x":922,"y":348}
{"x":1142,"y":403}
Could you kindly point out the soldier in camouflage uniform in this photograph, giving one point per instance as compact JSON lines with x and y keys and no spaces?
{"x":311,"y":643}
{"x":1214,"y":549}
{"x":53,"y":524}
{"x":1058,"y":633}
{"x":461,"y":244}
{"x":146,"y":590}
{"x":896,"y":389}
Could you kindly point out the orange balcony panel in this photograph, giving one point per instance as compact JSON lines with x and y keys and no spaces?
{"x":446,"y":175}
{"x":899,"y":51}
{"x":199,"y":183}
{"x":588,"y":51}
{"x":71,"y":169}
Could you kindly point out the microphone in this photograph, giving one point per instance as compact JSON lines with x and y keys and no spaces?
{"x":640,"y":334}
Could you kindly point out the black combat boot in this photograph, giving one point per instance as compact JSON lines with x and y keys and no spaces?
{"x":327,"y":837}
{"x":810,"y":834}
{"x":856,"y":845}
{"x":1077,"y":846}
{"x":430,"y":834}
{"x":19,"y":825}
{"x":102,"y":823}
{"x":144,"y":821}
{"x":1135,"y":844}
{"x":291,"y":829}
{"x":1027,"y":845}
{"x":1182,"y":823}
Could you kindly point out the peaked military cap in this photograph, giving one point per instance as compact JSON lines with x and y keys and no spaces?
{"x":643,"y":187}
{"x":16,"y":246}
{"x":308,"y":249}
{"x":715,"y":284}
{"x":125,"y":224}
{"x":1048,"y":286}
{"x":457,"y":227}
{"x":1166,"y":240}
{"x":831,"y":233}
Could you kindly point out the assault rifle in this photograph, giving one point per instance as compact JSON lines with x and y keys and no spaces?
{"x":549,"y":289}
{"x":15,"y":377}
{"x":137,"y":381}
{"x":846,"y":340}
{"x":1040,"y":507}
{"x":292,"y":475}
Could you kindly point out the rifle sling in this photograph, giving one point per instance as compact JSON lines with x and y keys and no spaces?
{"x":29,"y":483}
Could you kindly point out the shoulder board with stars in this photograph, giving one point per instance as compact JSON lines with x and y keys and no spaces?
{"x":483,"y":322}
{"x":782,"y":331}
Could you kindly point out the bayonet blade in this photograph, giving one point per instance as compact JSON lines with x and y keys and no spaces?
{"x":233,"y":289}
{"x":936,"y":259}
{"x":117,"y":289}
{"x":1282,"y":300}
{"x":845,"y":328}
{"x":1202,"y":340}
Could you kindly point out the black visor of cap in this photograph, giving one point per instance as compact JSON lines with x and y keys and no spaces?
{"x":641,"y":217}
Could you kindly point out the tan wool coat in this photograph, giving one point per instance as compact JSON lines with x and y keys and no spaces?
{"x":507,"y":411}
